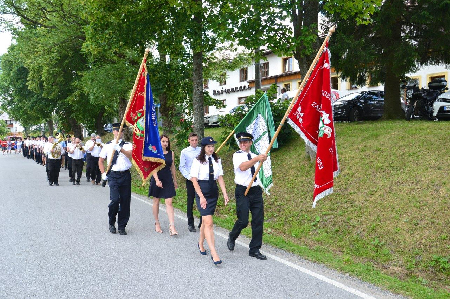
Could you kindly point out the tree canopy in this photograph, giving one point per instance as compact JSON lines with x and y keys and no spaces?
{"x":400,"y":37}
{"x":74,"y":62}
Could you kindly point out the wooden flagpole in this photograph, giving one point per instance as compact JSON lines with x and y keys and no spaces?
{"x":128,"y":106}
{"x":228,"y":137}
{"x":294,"y":100}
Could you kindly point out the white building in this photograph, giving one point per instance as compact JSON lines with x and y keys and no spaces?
{"x":13,"y":126}
{"x":284,"y":72}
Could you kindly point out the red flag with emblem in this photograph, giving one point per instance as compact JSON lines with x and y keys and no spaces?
{"x":312,"y":118}
{"x":135,"y":115}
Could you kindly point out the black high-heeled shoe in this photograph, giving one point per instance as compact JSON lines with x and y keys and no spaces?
{"x":201,"y":252}
{"x":216,"y":262}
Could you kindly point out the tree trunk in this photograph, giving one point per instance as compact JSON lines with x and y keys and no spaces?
{"x":76,"y":128}
{"x":197,"y":71}
{"x":392,"y":105}
{"x":257,"y":70}
{"x":197,"y":95}
{"x":50,"y":126}
{"x":99,"y":122}
{"x":166,"y":105}
{"x":127,"y":132}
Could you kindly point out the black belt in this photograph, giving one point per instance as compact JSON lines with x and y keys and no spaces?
{"x":255,"y":186}
{"x":120,"y":172}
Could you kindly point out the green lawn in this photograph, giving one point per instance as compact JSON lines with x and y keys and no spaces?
{"x":387,"y":221}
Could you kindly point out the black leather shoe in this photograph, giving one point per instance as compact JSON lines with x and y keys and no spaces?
{"x":57,"y":184}
{"x":73,"y":182}
{"x":258,"y":255}
{"x":70,"y":180}
{"x":230,"y":244}
{"x":78,"y":183}
{"x":122,"y":232}
{"x":50,"y":184}
{"x":112,"y":229}
{"x":192,"y":228}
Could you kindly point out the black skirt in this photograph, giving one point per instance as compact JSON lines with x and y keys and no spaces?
{"x":211,"y":193}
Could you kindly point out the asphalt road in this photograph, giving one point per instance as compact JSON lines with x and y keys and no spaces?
{"x":55,"y":243}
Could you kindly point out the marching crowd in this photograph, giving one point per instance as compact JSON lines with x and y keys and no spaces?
{"x":200,"y":166}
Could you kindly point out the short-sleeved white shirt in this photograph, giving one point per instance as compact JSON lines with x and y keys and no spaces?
{"x":122,"y":163}
{"x":201,"y":171}
{"x":243,"y":177}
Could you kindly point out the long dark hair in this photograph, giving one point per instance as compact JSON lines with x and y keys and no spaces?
{"x":201,"y":157}
{"x":165,"y":136}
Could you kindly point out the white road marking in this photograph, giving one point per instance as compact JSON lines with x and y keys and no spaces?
{"x":280,"y":260}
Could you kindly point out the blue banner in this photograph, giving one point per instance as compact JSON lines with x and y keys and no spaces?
{"x":152,"y":144}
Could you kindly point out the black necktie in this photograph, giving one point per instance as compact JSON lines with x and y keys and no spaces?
{"x":211,"y":171}
{"x":252,"y":169}
{"x":116,"y":154}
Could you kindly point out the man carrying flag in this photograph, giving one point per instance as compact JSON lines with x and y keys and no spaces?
{"x":119,"y":179}
{"x":145,"y":152}
{"x":312,"y":117}
{"x":253,"y":135}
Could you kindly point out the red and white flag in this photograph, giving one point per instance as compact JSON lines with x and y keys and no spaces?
{"x":312,"y":118}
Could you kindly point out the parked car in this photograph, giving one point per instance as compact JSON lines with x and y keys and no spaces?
{"x":359,"y":106}
{"x":213,"y":119}
{"x":441,"y":107}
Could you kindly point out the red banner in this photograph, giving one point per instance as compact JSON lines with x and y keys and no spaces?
{"x":135,"y":116}
{"x":312,"y":118}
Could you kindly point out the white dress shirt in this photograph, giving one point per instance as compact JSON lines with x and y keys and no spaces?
{"x":243,"y":177}
{"x":89,"y":145}
{"x":69,"y":148}
{"x":201,"y":171}
{"x":77,"y":153}
{"x":96,"y":151}
{"x":187,"y":156}
{"x":122,"y":163}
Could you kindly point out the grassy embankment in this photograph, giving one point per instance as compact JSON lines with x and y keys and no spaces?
{"x":387,"y":221}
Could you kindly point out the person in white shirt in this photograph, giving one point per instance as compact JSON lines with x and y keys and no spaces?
{"x":77,"y":152}
{"x":70,"y":142}
{"x":119,"y":180}
{"x":89,"y":164}
{"x":206,"y":171}
{"x":187,"y":156}
{"x":95,"y":148}
{"x":284,"y":95}
{"x":53,"y":152}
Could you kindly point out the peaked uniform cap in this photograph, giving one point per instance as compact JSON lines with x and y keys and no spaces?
{"x":116,"y":126}
{"x":244,"y":136}
{"x":207,"y":140}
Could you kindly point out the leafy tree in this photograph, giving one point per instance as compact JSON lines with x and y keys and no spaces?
{"x":50,"y":41}
{"x":22,"y":104}
{"x":4,"y":131}
{"x":401,"y":36}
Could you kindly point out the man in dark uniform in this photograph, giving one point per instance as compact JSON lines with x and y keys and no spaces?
{"x":89,"y":163}
{"x":53,"y":160}
{"x":244,"y":163}
{"x":77,"y":151}
{"x":119,"y":180}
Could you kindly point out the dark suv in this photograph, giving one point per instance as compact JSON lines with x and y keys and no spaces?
{"x":358,"y":106}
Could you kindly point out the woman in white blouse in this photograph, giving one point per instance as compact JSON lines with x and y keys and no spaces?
{"x":206,"y":171}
